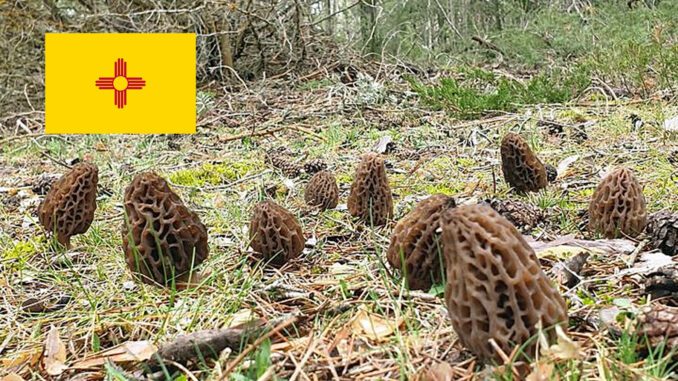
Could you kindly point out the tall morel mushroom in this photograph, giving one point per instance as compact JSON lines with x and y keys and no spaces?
{"x":521,"y":167}
{"x":618,"y":206}
{"x":370,"y":198}
{"x":495,"y":288}
{"x":275,"y":233}
{"x":415,"y":246}
{"x":162,"y":239}
{"x":68,"y":208}
{"x":322,"y":191}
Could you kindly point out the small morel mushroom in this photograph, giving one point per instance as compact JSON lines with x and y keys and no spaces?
{"x":322,"y":191}
{"x":68,"y":208}
{"x":415,"y":243}
{"x":162,"y":239}
{"x":495,"y":288}
{"x":521,"y":167}
{"x":662,"y":228}
{"x":275,"y":233}
{"x":370,"y":198}
{"x":618,"y":206}
{"x":314,"y":166}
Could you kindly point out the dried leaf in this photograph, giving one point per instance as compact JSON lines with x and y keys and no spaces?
{"x":542,"y":372}
{"x":436,"y":372}
{"x":561,"y":252}
{"x":54,"y":356}
{"x":609,"y":246}
{"x":383,"y":144}
{"x":131,"y":351}
{"x":565,"y":164}
{"x":241,"y":317}
{"x":30,"y":358}
{"x":564,"y":348}
{"x":671,"y":125}
{"x":372,"y":326}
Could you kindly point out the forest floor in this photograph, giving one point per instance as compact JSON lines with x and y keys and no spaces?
{"x":353,"y":318}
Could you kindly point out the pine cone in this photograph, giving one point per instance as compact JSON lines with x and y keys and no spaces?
{"x":281,"y":158}
{"x":551,"y":173}
{"x":523,"y":216}
{"x":314,"y":166}
{"x":673,"y":157}
{"x":42,"y":184}
{"x":579,"y":134}
{"x":663,"y":230}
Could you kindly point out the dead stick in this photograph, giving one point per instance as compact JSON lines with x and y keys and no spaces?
{"x":251,"y":134}
{"x":254,"y":345}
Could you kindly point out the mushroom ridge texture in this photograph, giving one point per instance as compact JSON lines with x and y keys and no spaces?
{"x":618,"y":206}
{"x":521,"y":167}
{"x":69,"y":206}
{"x":370,"y":198}
{"x":415,"y":243}
{"x":275,"y":233}
{"x":162,"y":239}
{"x":322,"y":190}
{"x":495,"y":288}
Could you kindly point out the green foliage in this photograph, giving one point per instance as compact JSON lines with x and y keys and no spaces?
{"x":213,"y":174}
{"x":17,"y":255}
{"x":482,"y":92}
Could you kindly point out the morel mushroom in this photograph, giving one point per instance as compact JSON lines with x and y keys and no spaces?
{"x":275,"y":233}
{"x":322,"y":191}
{"x":68,"y":208}
{"x":370,"y":198}
{"x":618,"y":206}
{"x":162,"y":239}
{"x":521,"y":167}
{"x":495,"y":288}
{"x":415,"y":243}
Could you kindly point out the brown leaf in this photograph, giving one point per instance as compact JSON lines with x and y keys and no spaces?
{"x":542,"y":372}
{"x":54,"y":356}
{"x":436,"y":372}
{"x":131,"y":351}
{"x":372,"y":326}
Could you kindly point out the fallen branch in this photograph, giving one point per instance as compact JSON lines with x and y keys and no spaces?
{"x":210,"y":343}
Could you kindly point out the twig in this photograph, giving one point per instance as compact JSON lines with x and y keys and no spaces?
{"x":634,"y":254}
{"x":254,"y":345}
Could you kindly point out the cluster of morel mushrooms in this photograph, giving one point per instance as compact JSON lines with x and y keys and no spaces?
{"x":496,"y":292}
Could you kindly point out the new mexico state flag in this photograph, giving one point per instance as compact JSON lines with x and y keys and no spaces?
{"x":98,"y":83}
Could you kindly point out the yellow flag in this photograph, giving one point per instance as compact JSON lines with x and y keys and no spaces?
{"x":114,"y":83}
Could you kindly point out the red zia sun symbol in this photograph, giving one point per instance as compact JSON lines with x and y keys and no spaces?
{"x":120,"y":83}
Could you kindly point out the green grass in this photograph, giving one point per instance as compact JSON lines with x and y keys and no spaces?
{"x":482,"y":92}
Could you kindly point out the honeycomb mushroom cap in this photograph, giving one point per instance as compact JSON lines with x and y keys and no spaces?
{"x":275,"y":233}
{"x":415,"y":243}
{"x":521,"y":167}
{"x":370,"y":198}
{"x":162,"y":239}
{"x":69,"y":206}
{"x":322,"y":191}
{"x":495,"y":286}
{"x":618,"y":206}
